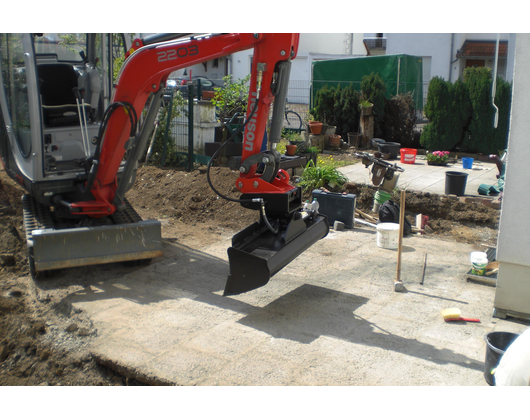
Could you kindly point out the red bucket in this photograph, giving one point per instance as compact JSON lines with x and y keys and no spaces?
{"x":408,"y":155}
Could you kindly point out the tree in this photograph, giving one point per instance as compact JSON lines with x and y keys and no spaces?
{"x":440,"y":133}
{"x":478,"y":82}
{"x":400,"y":118}
{"x":324,"y":109}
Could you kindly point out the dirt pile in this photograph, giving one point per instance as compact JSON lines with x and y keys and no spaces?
{"x":186,"y":197}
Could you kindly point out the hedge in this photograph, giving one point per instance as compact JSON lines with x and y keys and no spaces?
{"x":461,"y":114}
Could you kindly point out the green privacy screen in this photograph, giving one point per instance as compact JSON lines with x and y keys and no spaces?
{"x":401,"y":73}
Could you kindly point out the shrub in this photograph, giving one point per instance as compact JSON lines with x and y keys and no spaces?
{"x":231,"y":98}
{"x":436,"y":109}
{"x":478,"y":82}
{"x":348,"y":118}
{"x":320,"y":175}
{"x":461,"y":114}
{"x":503,"y":100}
{"x":324,"y":109}
{"x":483,"y":137}
{"x":462,"y":106}
{"x":399,"y":120}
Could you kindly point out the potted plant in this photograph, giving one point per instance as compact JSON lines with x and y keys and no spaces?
{"x":334,"y":140}
{"x":290,"y":149}
{"x":437,"y":158}
{"x":315,"y":127}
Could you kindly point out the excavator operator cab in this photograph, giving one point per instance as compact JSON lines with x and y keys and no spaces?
{"x":55,"y":90}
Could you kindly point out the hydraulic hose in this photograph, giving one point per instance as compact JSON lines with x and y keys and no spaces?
{"x":216,"y":153}
{"x":236,"y":200}
{"x":94,"y":162}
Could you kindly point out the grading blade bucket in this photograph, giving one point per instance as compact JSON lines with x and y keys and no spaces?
{"x":129,"y":238}
{"x":257,"y":253}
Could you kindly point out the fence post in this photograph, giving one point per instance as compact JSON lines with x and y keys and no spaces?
{"x":190,"y":127}
{"x":166,"y":134}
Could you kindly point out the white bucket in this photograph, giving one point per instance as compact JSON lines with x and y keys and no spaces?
{"x":479,"y":261}
{"x":387,"y":235}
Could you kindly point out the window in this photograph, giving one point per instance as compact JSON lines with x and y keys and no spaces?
{"x":16,"y":89}
{"x":66,"y":47}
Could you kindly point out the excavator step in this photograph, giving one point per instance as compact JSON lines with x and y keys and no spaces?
{"x":50,"y":248}
{"x":257,"y":254}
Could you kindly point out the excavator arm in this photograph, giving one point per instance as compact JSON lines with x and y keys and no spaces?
{"x":284,"y":230}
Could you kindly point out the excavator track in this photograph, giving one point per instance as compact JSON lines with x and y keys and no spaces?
{"x":127,"y":215}
{"x":35,"y":216}
{"x":129,"y":238}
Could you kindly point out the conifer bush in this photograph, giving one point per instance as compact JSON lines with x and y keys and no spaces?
{"x":461,"y":114}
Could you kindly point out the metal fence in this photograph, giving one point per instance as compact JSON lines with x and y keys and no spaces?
{"x":179,"y":149}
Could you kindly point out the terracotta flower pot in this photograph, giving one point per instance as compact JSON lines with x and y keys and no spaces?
{"x":315,"y":127}
{"x":290,"y":149}
{"x":334,"y":140}
{"x":208,"y":94}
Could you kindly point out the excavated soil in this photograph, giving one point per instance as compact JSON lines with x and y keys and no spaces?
{"x":45,"y":343}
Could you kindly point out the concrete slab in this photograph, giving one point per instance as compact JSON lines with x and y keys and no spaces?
{"x":331,"y":317}
{"x":422,"y":177}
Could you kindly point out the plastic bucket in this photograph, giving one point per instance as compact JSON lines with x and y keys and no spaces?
{"x":381,"y":196}
{"x":467,"y":163}
{"x":408,"y":155}
{"x":455,"y":183}
{"x":497,"y":343}
{"x":479,"y":261}
{"x":387,"y":235}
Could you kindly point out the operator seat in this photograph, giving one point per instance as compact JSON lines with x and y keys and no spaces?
{"x":57,"y":83}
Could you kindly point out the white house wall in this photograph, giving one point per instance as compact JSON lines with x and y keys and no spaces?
{"x":513,"y":282}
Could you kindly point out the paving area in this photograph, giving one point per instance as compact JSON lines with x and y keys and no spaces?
{"x":331,"y":317}
{"x":422,"y":177}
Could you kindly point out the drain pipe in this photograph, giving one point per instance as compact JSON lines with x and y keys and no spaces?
{"x":451,"y":61}
{"x":494,"y":86}
{"x":451,"y":58}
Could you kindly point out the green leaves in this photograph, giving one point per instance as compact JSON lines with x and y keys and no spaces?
{"x":461,"y":114}
{"x":232,"y":97}
{"x":320,"y":175}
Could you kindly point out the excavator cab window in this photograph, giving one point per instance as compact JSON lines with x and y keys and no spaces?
{"x":15,"y":86}
{"x":70,"y":48}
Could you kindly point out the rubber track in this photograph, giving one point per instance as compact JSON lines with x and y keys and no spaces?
{"x":37,"y":216}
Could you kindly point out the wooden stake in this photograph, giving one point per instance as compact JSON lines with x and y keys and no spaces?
{"x":398,"y":284}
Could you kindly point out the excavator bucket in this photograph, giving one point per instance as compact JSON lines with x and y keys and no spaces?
{"x":257,"y":253}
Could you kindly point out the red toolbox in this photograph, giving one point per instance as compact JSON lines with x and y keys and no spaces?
{"x":336,"y":206}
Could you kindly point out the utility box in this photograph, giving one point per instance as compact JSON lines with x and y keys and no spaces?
{"x":336,"y":206}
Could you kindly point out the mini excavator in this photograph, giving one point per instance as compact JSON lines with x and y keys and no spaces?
{"x":72,"y":137}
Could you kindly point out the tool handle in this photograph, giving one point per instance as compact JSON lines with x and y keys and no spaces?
{"x":470,"y":319}
{"x":463,"y":319}
{"x":400,"y":240}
